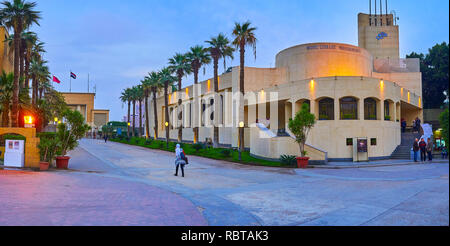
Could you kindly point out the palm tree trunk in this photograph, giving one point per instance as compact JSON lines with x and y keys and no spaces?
{"x":196,"y":113}
{"x":41,"y":90}
{"x":134,"y":118}
{"x":147,"y":123}
{"x":5,"y":114}
{"x":128,"y":125}
{"x":166,"y":103}
{"x":27,"y":69}
{"x":22,"y":66}
{"x":155,"y":112}
{"x":216,"y":92}
{"x":16,"y":86}
{"x":140,"y":119}
{"x":180,"y":128}
{"x":33,"y":94}
{"x":241,"y":88}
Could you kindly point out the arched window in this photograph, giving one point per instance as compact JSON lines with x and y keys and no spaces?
{"x":326,"y":109}
{"x":349,"y":108}
{"x":387,"y":114}
{"x":370,"y":109}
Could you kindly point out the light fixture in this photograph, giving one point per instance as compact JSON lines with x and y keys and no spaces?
{"x":241,"y":124}
{"x":28,"y":119}
{"x":167,"y":123}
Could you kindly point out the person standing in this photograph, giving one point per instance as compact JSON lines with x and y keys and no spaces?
{"x":423,"y":150}
{"x":418,"y":125}
{"x":106,"y":138}
{"x":179,"y":160}
{"x":416,"y":149}
{"x":430,"y":149}
{"x":403,"y":125}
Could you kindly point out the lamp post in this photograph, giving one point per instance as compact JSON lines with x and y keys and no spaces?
{"x":128,"y":129}
{"x":241,"y":125}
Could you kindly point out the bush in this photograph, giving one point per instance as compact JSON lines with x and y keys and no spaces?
{"x":148,"y":141}
{"x":197,"y":146}
{"x":288,"y":159}
{"x":226,"y":152}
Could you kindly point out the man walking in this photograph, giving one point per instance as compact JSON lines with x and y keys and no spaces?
{"x":430,"y":149}
{"x":423,"y":150}
{"x":415,"y":149}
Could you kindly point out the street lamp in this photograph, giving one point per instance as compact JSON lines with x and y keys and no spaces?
{"x":241,"y":126}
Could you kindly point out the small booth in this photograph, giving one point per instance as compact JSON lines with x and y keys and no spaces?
{"x":14,"y":153}
{"x":360,"y":150}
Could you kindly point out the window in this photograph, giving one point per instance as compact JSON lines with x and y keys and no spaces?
{"x":349,"y":141}
{"x":373,"y":141}
{"x":349,"y":108}
{"x":370,"y":109}
{"x":326,"y":109}
{"x":387,"y":115}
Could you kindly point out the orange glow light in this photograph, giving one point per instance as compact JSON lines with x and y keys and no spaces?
{"x":28,"y":119}
{"x":311,"y":84}
{"x":409,"y":97}
{"x":401,"y":92}
{"x":187,"y":92}
{"x":381,"y":84}
{"x":209,"y":84}
{"x":420,"y":103}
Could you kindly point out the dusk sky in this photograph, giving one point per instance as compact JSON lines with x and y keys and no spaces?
{"x":119,"y":42}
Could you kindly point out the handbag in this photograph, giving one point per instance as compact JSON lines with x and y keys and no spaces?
{"x":183,"y":157}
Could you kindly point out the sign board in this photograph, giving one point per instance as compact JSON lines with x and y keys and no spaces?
{"x":362,"y":145}
{"x":14,"y":153}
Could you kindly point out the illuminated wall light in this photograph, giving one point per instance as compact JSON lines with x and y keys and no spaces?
{"x":187,"y":92}
{"x":209,"y":84}
{"x":28,"y":119}
{"x":420,"y":103}
{"x":170,"y":97}
{"x":401,"y":92}
{"x":409,"y":97}
{"x":312,"y":84}
{"x":382,"y":84}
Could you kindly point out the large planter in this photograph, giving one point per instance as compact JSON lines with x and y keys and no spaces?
{"x":43,"y":166}
{"x":62,"y":162}
{"x":302,"y":162}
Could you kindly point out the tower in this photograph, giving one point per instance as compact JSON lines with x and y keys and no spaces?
{"x":378,"y":33}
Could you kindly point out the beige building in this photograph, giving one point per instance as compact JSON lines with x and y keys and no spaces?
{"x":84,"y":103}
{"x":353,"y":91}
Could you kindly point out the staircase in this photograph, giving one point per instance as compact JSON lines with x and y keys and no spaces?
{"x":403,"y":151}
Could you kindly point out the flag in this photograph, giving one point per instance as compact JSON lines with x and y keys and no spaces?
{"x":56,"y":80}
{"x":74,"y":76}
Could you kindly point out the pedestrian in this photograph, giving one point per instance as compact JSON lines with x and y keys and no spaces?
{"x":430,"y":149}
{"x":403,"y":125}
{"x":416,"y":149}
{"x":423,"y":149}
{"x":180,"y":160}
{"x":444,"y":152}
{"x":106,"y":138}
{"x":417,"y":121}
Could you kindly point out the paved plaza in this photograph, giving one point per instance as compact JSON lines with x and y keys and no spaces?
{"x":117,"y":184}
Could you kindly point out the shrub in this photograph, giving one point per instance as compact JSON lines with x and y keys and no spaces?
{"x":197,"y":146}
{"x":148,"y":142}
{"x":226,"y":152}
{"x":288,"y":159}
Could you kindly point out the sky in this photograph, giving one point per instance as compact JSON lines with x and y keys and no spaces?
{"x":119,"y":42}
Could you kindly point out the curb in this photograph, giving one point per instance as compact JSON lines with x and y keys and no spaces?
{"x":375,"y":165}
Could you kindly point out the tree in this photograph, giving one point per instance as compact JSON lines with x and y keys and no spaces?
{"x":18,"y":15}
{"x":219,"y":48}
{"x":126,"y":98}
{"x":434,"y":68}
{"x":146,"y":89}
{"x":244,"y":35}
{"x":140,"y":98}
{"x":6,"y":90}
{"x":180,"y":65}
{"x":198,"y":57}
{"x":154,"y":82}
{"x":71,"y":130}
{"x":51,"y":105}
{"x":166,"y":78}
{"x":301,"y":125}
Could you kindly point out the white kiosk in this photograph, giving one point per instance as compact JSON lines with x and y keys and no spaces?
{"x":14,"y":153}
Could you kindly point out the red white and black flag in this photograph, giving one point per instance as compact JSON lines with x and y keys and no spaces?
{"x":72,"y":75}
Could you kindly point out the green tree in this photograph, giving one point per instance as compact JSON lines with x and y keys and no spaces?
{"x":155,"y":85}
{"x":198,"y":57}
{"x":126,"y":98}
{"x":166,"y":78}
{"x":244,"y":35}
{"x":18,"y":15}
{"x":6,"y":90}
{"x":71,"y":130}
{"x":181,"y":66}
{"x":434,"y":68}
{"x":301,"y":125}
{"x":219,"y":48}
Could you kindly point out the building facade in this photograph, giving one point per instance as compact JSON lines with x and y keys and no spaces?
{"x":354,"y":91}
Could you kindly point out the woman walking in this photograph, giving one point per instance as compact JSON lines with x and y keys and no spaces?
{"x":180,"y":160}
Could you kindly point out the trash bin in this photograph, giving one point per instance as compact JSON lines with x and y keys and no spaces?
{"x":412,"y":154}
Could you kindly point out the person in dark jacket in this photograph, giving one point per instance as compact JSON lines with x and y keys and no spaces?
{"x":430,"y":149}
{"x":403,"y":125}
{"x":423,"y":149}
{"x":416,"y":148}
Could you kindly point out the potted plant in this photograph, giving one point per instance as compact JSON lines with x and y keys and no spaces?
{"x":387,"y":117}
{"x":68,"y":135}
{"x":47,"y":150}
{"x":300,"y":127}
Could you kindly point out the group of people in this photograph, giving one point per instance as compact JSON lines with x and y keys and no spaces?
{"x":415,"y":125}
{"x":424,"y":148}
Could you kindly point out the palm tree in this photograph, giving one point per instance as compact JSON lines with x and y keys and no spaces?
{"x":181,"y":66}
{"x":6,"y":89}
{"x":198,"y":56}
{"x":155,"y":85}
{"x":18,"y":15}
{"x":39,"y":72}
{"x":166,"y":78}
{"x":126,"y":98}
{"x":244,"y":35}
{"x":146,"y":92}
{"x":219,"y":48}
{"x":30,"y":39}
{"x":133,"y":97}
{"x":140,"y":98}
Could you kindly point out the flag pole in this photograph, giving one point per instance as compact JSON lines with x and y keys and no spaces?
{"x":88,"y":82}
{"x":70,"y":79}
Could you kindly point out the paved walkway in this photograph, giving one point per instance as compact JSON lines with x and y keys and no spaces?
{"x":232,"y":194}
